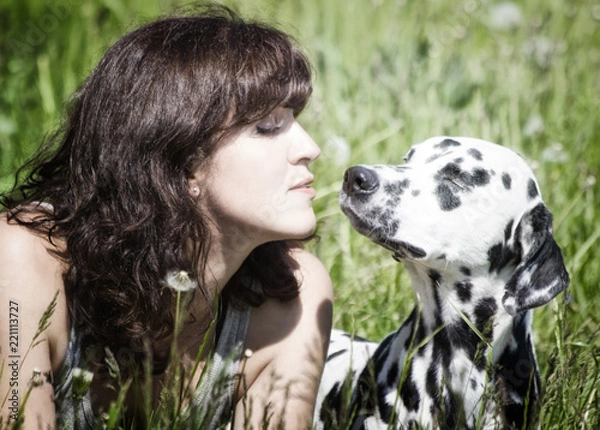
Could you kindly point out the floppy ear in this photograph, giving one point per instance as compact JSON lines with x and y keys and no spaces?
{"x":541,"y":273}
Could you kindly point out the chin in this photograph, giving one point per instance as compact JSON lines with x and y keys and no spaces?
{"x":300,"y":228}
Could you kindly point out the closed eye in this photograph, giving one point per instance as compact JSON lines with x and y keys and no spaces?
{"x":278,"y":120}
{"x":268,"y":125}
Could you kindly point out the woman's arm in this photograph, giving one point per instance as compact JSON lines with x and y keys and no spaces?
{"x":29,"y":279}
{"x":289,"y":344}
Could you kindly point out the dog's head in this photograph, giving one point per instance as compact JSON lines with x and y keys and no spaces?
{"x":466,"y":204}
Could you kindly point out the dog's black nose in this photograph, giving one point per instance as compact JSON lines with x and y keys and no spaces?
{"x":360,"y":180}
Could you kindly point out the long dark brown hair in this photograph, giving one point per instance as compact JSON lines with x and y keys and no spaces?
{"x":115,"y":175}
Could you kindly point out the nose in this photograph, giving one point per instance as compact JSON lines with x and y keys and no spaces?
{"x":304,"y":148}
{"x":360,"y":180}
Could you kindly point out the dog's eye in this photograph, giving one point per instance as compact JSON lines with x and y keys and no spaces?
{"x":456,"y":182}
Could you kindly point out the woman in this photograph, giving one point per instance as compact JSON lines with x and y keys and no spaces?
{"x":181,"y":167}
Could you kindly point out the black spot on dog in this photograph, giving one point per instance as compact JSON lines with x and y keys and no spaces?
{"x":388,"y":224}
{"x":384,"y":407}
{"x":447,"y":199}
{"x":459,"y":160}
{"x":396,"y":188}
{"x":415,"y":193}
{"x":473,"y":384}
{"x":442,"y":348}
{"x":367,"y":395}
{"x":378,"y":221}
{"x":392,"y":376}
{"x":532,"y":190}
{"x":517,"y":375}
{"x":462,"y":336}
{"x":463,"y":290}
{"x":409,"y":392}
{"x":480,"y":177}
{"x":499,"y":256}
{"x":450,"y":411}
{"x":449,"y":171}
{"x":446,"y":143}
{"x":436,"y":278}
{"x":409,"y":154}
{"x":461,"y":179}
{"x":485,"y":309}
{"x":336,"y":354}
{"x":465,"y":271}
{"x":418,"y":332}
{"x":508,"y":230}
{"x":331,"y":405}
{"x":476,"y":154}
{"x":506,"y":180}
{"x":394,"y":191}
{"x":432,"y":386}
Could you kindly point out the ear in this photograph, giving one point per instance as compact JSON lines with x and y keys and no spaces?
{"x":541,"y":273}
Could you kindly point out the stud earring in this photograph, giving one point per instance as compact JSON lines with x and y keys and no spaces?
{"x":196,"y":191}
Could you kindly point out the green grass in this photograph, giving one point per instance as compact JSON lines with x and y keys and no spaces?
{"x":388,"y":74}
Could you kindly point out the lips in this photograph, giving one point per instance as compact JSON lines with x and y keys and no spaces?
{"x":305,"y":183}
{"x":304,"y":186}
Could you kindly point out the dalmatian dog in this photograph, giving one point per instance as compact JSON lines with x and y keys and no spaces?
{"x":466,"y":219}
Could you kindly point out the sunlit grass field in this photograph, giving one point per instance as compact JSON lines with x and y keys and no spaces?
{"x":388,"y":74}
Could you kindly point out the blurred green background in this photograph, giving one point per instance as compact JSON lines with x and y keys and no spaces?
{"x":387,"y":74}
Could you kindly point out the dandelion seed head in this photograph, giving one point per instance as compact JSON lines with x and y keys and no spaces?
{"x":533,"y":126}
{"x":554,"y":153}
{"x":505,"y":16}
{"x":590,"y":181}
{"x":179,"y":281}
{"x":541,"y":51}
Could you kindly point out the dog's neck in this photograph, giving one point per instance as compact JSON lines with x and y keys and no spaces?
{"x":466,"y":297}
{"x":463,"y":350}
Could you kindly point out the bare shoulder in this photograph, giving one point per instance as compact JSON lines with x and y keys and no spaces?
{"x":313,"y":276}
{"x":31,"y":275}
{"x":289,"y":343}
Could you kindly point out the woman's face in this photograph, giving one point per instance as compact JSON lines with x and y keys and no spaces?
{"x":258,"y":186}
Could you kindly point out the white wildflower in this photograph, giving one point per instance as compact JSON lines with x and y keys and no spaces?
{"x":179,"y":281}
{"x":505,"y":16}
{"x":338,"y":149}
{"x":533,"y":126}
{"x":540,"y":51}
{"x":590,"y":181}
{"x":555,"y":153}
{"x":82,"y":379}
